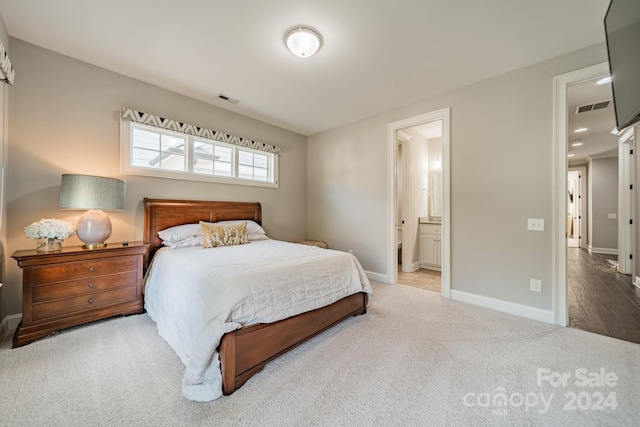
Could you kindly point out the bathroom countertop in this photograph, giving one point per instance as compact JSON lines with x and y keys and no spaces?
{"x":427,"y":220}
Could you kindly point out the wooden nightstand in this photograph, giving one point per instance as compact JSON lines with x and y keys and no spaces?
{"x":74,"y":286}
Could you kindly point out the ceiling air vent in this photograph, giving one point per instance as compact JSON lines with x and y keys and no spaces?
{"x":593,"y":107}
{"x":226,"y":98}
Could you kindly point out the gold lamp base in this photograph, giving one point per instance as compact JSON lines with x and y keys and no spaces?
{"x":94,"y":246}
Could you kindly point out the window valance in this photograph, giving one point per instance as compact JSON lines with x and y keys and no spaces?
{"x":173,"y":125}
{"x":7,"y":73}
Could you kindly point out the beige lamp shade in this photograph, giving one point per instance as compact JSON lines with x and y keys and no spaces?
{"x":94,"y":193}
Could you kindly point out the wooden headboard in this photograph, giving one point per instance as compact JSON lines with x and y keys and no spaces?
{"x":164,"y":213}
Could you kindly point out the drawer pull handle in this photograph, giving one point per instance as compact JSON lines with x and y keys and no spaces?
{"x":91,"y":285}
{"x":90,"y":300}
{"x":90,"y":269}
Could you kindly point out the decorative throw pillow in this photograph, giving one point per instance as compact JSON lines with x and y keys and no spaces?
{"x":252,"y":226}
{"x":224,"y":235}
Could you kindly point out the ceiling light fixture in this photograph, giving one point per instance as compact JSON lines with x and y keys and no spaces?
{"x":302,"y":41}
{"x":604,"y":80}
{"x":581,"y":130}
{"x":577,"y":144}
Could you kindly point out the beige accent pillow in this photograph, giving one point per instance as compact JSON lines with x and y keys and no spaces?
{"x":224,"y":235}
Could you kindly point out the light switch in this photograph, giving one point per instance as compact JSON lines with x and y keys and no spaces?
{"x":612,"y":216}
{"x":535,"y":224}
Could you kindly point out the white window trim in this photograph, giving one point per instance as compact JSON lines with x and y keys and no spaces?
{"x":126,"y":168}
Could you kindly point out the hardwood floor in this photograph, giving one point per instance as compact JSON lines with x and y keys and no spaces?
{"x":431,"y":280}
{"x":601,"y":300}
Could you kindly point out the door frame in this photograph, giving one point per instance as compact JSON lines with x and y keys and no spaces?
{"x":626,"y":173}
{"x":404,"y":140}
{"x":560,"y":122}
{"x":392,"y":238}
{"x":584,"y":217}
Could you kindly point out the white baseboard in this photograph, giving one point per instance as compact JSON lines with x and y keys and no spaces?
{"x":9,"y":324}
{"x":606,"y":251}
{"x":377,"y":277}
{"x":504,"y":306}
{"x":636,"y":281}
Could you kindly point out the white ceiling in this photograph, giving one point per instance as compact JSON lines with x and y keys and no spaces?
{"x":430,"y":130}
{"x":597,"y":141}
{"x":377,"y":55}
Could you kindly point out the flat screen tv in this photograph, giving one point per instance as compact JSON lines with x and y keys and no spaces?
{"x":622,"y":30}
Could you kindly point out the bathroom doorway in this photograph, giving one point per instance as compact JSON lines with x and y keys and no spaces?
{"x":420,"y":203}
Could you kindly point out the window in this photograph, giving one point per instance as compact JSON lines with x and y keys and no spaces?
{"x":151,"y":151}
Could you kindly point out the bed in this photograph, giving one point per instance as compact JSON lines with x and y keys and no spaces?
{"x":217,"y":365}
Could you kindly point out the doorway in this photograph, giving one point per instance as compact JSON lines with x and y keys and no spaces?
{"x":408,"y":206}
{"x":576,"y":198}
{"x":591,"y":292}
{"x":419,"y":200}
{"x":561,"y":132}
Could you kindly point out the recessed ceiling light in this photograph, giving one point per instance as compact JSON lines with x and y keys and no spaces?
{"x":577,"y":144}
{"x":581,"y":130}
{"x":302,"y":41}
{"x":604,"y":80}
{"x":570,"y":155}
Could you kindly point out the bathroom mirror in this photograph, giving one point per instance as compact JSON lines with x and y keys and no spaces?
{"x":435,"y":194}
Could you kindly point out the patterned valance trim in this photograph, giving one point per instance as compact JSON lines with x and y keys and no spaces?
{"x":173,"y":125}
{"x":8,"y":73}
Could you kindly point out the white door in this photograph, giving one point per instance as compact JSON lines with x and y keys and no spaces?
{"x":404,"y":201}
{"x":626,"y":173}
{"x":574,"y":209}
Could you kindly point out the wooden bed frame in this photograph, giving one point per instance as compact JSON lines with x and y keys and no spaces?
{"x":244,"y":352}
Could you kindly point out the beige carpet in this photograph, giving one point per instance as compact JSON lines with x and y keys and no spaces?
{"x":414,"y":359}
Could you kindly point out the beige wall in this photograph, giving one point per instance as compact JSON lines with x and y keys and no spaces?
{"x":603,"y":199}
{"x":501,"y":174}
{"x":3,"y":217}
{"x":64,"y":119}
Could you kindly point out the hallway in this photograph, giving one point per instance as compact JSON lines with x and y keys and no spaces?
{"x":601,"y":300}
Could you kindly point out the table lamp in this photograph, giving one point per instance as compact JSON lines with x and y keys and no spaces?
{"x":95,"y":193}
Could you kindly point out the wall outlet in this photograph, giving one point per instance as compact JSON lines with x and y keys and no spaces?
{"x":535,"y":285}
{"x":535,"y":224}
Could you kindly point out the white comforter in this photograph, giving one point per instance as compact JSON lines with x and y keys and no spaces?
{"x":196,"y":295}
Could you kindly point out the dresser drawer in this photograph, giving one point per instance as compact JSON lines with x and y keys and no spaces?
{"x":81,"y":269}
{"x":73,"y":286}
{"x":69,"y":288}
{"x":85,"y":302}
{"x":430,"y":228}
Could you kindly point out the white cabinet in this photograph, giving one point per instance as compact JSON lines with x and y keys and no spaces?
{"x":430,"y":246}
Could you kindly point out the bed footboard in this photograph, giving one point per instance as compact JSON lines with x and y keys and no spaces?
{"x":244,"y":352}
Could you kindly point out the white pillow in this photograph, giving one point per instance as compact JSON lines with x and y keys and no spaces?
{"x":252,"y":226}
{"x":180,"y":232}
{"x":256,"y":236}
{"x":185,"y":243}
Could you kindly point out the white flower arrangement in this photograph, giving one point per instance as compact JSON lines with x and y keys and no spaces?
{"x":49,"y":229}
